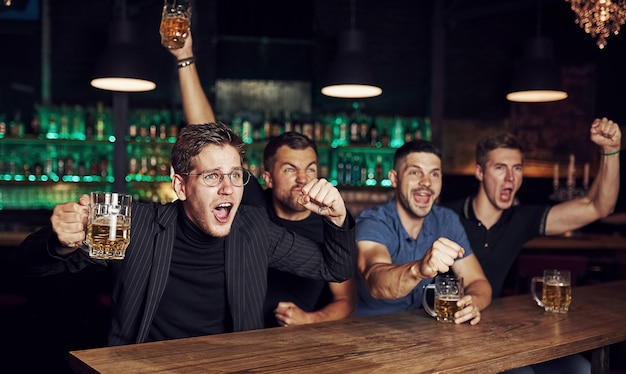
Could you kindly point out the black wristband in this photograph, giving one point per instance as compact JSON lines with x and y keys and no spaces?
{"x":185,"y":62}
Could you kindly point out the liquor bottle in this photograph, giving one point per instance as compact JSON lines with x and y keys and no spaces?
{"x":427,"y":132}
{"x":373,"y":138}
{"x":379,"y":169}
{"x":16,"y":126}
{"x":340,"y":169}
{"x":363,"y":130}
{"x":347,"y":164}
{"x":340,"y":132}
{"x":100,"y":121}
{"x":53,"y":129}
{"x":397,"y":133}
{"x":64,"y":122}
{"x":247,"y":132}
{"x":78,"y":123}
{"x":3,"y":126}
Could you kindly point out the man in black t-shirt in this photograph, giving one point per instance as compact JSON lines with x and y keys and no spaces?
{"x":290,"y":161}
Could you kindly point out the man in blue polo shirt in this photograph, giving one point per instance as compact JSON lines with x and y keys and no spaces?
{"x":406,"y":242}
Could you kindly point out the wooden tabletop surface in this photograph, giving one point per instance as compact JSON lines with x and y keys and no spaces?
{"x":513,"y":332}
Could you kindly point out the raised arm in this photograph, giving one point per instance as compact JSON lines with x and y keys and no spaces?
{"x":602,"y":195}
{"x":196,"y":106}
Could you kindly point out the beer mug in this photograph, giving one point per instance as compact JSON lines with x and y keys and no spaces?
{"x":175,"y":22}
{"x":556,"y":294}
{"x":448,"y":291}
{"x":108,"y":225}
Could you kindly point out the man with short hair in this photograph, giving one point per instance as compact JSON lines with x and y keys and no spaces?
{"x":291,"y":161}
{"x":198,"y":265}
{"x":498,"y":229}
{"x":403,"y":244}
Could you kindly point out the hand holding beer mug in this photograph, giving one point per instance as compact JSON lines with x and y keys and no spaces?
{"x":108,"y":225}
{"x":556,"y":294}
{"x":175,"y":23}
{"x":448,"y":291}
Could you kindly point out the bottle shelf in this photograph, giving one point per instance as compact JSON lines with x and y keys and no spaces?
{"x":67,"y":151}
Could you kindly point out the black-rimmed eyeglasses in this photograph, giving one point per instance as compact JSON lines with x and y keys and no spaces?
{"x":212,"y":178}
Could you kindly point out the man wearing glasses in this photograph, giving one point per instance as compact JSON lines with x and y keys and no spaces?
{"x":198,"y":266}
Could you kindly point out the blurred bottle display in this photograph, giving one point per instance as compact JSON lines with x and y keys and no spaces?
{"x":67,"y":150}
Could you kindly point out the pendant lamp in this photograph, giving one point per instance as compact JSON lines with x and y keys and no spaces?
{"x":121,"y":66}
{"x":538,"y":79}
{"x":351,"y":75}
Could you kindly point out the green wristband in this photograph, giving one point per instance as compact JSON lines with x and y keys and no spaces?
{"x":611,"y":153}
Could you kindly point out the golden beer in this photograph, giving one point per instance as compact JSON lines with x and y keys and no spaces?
{"x":556,"y":296}
{"x":445,"y":307}
{"x":174,"y":30}
{"x":105,"y":244}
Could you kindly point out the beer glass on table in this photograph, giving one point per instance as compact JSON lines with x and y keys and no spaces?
{"x":556,"y":294}
{"x":175,"y":23}
{"x":108,"y":225}
{"x":448,"y":290}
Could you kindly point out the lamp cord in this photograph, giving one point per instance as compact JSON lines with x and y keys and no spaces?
{"x":353,"y":14}
{"x":538,"y":18}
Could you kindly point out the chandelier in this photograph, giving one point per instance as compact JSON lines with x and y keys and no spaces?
{"x":599,"y":18}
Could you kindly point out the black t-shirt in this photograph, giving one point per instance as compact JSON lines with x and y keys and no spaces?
{"x":308,"y":294}
{"x":194,"y":302}
{"x":497,"y":248}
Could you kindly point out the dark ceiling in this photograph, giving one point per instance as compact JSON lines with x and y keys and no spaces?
{"x":283,"y":39}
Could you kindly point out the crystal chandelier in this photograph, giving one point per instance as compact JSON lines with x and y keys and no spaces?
{"x":599,"y":18}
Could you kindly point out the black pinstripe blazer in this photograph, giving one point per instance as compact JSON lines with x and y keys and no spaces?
{"x":254,"y":244}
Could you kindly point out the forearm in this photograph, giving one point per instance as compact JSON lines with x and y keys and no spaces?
{"x":390,"y":282}
{"x":605,"y":187}
{"x":196,"y":106}
{"x":336,"y":310}
{"x":339,"y":252}
{"x":480,"y":290}
{"x":38,"y":256}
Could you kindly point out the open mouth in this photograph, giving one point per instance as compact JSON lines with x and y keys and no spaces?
{"x":222,"y":212}
{"x":422,"y":197}
{"x":506,"y":194}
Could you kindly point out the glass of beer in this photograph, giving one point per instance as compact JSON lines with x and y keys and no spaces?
{"x":175,"y":22}
{"x":108,"y":225}
{"x":556,"y":293}
{"x":448,"y":290}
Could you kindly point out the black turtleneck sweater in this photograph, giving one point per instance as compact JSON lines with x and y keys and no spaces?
{"x":194,"y":302}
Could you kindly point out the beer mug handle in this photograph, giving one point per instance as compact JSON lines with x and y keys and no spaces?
{"x":533,"y":284}
{"x":427,"y":307}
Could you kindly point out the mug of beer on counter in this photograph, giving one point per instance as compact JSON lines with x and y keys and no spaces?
{"x":448,"y":291}
{"x":108,"y":225}
{"x":556,"y":294}
{"x":175,"y":23}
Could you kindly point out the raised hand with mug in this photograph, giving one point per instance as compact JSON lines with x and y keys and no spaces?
{"x":108,"y":225}
{"x":175,"y":23}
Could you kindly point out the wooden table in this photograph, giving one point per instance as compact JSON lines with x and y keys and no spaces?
{"x":514,"y":332}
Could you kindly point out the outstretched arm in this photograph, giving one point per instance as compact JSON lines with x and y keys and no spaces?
{"x":196,"y":106}
{"x":386,"y":280}
{"x":602,"y":195}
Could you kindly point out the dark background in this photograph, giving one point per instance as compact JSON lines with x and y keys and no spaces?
{"x":245,"y":39}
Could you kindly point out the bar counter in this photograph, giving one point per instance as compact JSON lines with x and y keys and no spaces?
{"x":514,"y":332}
{"x":578,"y":242}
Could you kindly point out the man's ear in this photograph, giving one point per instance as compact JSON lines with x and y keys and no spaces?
{"x":267,"y":177}
{"x":478,"y":172}
{"x":393,"y":177}
{"x":178,"y":185}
